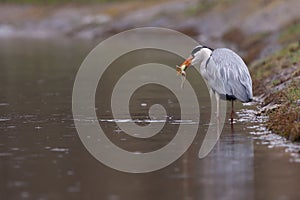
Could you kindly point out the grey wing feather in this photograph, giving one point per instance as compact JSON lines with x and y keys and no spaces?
{"x":228,"y":75}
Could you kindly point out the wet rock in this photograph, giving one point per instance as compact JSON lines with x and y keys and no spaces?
{"x":267,"y":109}
{"x":298,"y":102}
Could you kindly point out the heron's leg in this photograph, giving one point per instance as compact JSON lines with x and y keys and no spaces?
{"x":211,"y":94}
{"x":232,"y":111}
{"x":218,"y":105}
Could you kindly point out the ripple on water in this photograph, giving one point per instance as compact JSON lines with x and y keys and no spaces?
{"x":17,"y":183}
{"x":4,"y":119}
{"x":56,"y":149}
{"x":150,"y":121}
{"x":74,"y":188}
{"x":266,"y":137}
{"x":183,"y":122}
{"x":168,"y":119}
{"x":4,"y":154}
{"x":134,"y":120}
{"x":25,"y":195}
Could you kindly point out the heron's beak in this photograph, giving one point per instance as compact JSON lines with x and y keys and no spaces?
{"x":181,"y":69}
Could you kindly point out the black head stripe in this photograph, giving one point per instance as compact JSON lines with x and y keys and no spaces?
{"x":208,"y":48}
{"x":198,"y":48}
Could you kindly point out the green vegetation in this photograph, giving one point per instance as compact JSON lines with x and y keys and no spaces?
{"x":269,"y":71}
{"x":205,"y":5}
{"x":278,"y":79}
{"x":276,"y":82}
{"x":290,"y":33}
{"x":285,"y":120}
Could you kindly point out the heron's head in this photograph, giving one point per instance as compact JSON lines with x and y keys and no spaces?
{"x":196,"y":57}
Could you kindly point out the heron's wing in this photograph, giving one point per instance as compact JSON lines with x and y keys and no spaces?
{"x":227,"y":74}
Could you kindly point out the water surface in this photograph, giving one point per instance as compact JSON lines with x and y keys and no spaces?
{"x":42,"y":157}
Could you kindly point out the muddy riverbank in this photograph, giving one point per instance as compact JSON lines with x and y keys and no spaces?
{"x":277,"y":86}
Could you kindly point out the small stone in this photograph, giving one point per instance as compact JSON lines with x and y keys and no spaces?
{"x":298,"y":102}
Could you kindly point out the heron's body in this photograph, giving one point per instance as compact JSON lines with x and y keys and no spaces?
{"x":225,"y":73}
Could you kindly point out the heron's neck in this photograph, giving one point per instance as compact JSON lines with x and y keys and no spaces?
{"x":205,"y":54}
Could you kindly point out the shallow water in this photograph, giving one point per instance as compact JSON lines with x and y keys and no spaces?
{"x":42,"y":157}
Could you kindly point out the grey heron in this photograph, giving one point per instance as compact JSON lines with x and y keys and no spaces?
{"x":225,"y":73}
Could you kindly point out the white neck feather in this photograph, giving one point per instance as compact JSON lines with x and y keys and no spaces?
{"x":201,"y":57}
{"x":205,"y":55}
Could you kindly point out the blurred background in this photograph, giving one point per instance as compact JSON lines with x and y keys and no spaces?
{"x":255,"y":28}
{"x":43,"y":43}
